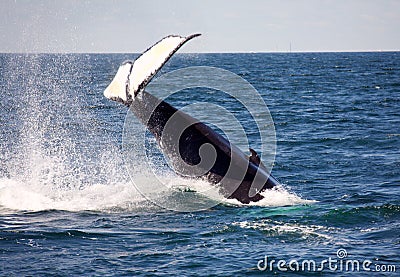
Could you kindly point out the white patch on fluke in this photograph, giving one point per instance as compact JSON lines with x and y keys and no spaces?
{"x":132,"y":78}
{"x":117,"y":88}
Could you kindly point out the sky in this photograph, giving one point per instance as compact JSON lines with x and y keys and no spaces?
{"x":108,"y":26}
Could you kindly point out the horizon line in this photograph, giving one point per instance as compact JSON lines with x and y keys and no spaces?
{"x":205,"y":52}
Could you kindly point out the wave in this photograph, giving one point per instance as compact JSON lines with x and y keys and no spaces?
{"x":364,"y":214}
{"x":15,"y":195}
{"x":190,"y":194}
{"x":293,"y":231}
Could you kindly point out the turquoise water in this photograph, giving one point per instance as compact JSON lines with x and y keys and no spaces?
{"x":67,"y":206}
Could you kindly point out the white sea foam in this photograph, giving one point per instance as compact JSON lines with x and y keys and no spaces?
{"x":280,"y":228}
{"x":121,"y":196}
{"x":280,"y":196}
{"x":15,"y":195}
{"x":19,"y":195}
{"x":277,"y":197}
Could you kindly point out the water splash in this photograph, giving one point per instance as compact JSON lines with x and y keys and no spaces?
{"x":50,"y":151}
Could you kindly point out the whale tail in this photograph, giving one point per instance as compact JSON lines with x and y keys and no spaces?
{"x":132,"y":77}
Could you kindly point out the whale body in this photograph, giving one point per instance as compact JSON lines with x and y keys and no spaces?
{"x":194,"y":149}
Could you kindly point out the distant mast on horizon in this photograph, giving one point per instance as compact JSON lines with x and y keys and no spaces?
{"x":290,"y":47}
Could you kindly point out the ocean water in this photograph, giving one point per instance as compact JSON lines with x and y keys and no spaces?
{"x":68,"y":206}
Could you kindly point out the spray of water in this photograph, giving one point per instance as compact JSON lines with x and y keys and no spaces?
{"x":53,"y":158}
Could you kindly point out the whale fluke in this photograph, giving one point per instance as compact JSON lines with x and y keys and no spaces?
{"x":132,"y":77}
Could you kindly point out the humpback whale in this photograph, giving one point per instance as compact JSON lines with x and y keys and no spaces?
{"x":193,"y":148}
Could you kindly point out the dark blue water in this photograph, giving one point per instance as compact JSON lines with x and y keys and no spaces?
{"x":67,"y":206}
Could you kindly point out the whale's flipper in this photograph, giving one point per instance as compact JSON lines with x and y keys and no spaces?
{"x":132,"y":77}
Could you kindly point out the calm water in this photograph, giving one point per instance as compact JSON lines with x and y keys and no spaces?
{"x":67,"y":206}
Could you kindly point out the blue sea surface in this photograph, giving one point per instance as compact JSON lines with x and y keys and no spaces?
{"x":68,"y":206}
